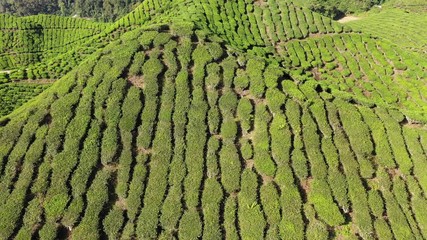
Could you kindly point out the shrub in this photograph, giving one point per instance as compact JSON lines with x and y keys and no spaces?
{"x":271,"y":205}
{"x":229,"y":129}
{"x":113,"y":223}
{"x":382,"y":229}
{"x":230,"y":167}
{"x":320,"y":196}
{"x":241,"y":80}
{"x":255,"y":68}
{"x":244,"y":113}
{"x":316,"y":230}
{"x":212,"y":197}
{"x":251,"y":219}
{"x":275,"y":99}
{"x":172,"y":208}
{"x":214,"y":120}
{"x":246,"y":149}
{"x":190,"y":226}
{"x":396,"y":141}
{"x":292,"y":90}
{"x":263,"y":161}
{"x":230,"y":218}
{"x":382,"y":147}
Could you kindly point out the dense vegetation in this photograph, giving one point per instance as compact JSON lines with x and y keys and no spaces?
{"x":388,"y":23}
{"x":110,"y":10}
{"x":31,"y":39}
{"x":221,"y":119}
{"x":337,"y":8}
{"x":106,"y":10}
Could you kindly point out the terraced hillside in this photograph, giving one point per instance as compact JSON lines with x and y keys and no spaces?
{"x":182,"y":127}
{"x":388,"y":25}
{"x":28,"y":40}
{"x":51,"y":63}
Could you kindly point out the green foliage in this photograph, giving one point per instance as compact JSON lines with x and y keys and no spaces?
{"x":113,"y":223}
{"x":105,"y":10}
{"x":55,"y":206}
{"x":13,"y":95}
{"x":234,"y":130}
{"x":251,"y":220}
{"x":230,"y":166}
{"x":263,"y":161}
{"x":190,"y":226}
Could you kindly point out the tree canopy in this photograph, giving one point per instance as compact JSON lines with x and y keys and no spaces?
{"x":106,"y":10}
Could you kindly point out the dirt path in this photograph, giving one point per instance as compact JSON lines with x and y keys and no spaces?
{"x":348,"y":19}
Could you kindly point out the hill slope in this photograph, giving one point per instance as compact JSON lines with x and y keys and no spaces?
{"x":399,"y":27}
{"x":181,"y":130}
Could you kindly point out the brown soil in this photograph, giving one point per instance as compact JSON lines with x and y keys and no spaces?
{"x":111,"y":167}
{"x":137,"y":81}
{"x":144,"y":151}
{"x":250,"y":164}
{"x":393,"y":172}
{"x":267,"y":179}
{"x":261,"y":3}
{"x":249,"y":135}
{"x":242,"y":93}
{"x":367,"y":93}
{"x":234,"y":194}
{"x":348,"y":19}
{"x":121,"y":203}
{"x":411,"y":124}
{"x":398,"y":72}
{"x":217,"y":136}
{"x":279,"y":47}
{"x":316,"y":73}
{"x":306,"y":184}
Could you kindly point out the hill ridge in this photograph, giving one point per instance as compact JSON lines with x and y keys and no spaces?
{"x":171,"y":131}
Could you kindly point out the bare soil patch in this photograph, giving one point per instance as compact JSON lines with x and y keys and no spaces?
{"x":306,"y":184}
{"x":137,"y":81}
{"x":411,"y":124}
{"x":142,"y":150}
{"x":367,"y":93}
{"x":267,"y":179}
{"x":393,"y":172}
{"x":260,"y":3}
{"x":348,"y":19}
{"x":249,"y":164}
{"x":121,"y":203}
{"x":316,"y":73}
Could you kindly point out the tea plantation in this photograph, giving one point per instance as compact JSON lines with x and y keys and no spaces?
{"x":212,"y":119}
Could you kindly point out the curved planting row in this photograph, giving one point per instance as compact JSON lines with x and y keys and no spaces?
{"x":248,"y":23}
{"x":167,"y":134}
{"x":28,"y":40}
{"x":354,"y":65}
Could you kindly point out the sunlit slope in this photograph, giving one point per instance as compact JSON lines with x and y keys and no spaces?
{"x":264,"y":22}
{"x":165,"y":133}
{"x":173,"y":130}
{"x":51,"y":62}
{"x":419,"y":6}
{"x":405,"y":29}
{"x":27,"y":40}
{"x":357,"y":66}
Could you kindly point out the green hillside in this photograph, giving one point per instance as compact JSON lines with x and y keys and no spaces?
{"x":220,"y":120}
{"x":29,"y":40}
{"x":53,"y":63}
{"x":388,"y":24}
